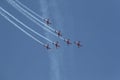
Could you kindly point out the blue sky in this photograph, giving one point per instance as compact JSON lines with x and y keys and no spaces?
{"x":94,"y":22}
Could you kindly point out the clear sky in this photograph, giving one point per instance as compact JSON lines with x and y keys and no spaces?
{"x":94,"y":22}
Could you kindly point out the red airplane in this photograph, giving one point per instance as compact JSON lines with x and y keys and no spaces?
{"x":78,"y":44}
{"x":56,"y":44}
{"x":47,"y":21}
{"x":58,"y":33}
{"x":47,"y":46}
{"x":67,"y":41}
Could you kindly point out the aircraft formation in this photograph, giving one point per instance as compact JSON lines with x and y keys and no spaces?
{"x":44,"y":23}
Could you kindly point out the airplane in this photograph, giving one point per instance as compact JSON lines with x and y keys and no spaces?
{"x":58,"y":33}
{"x":47,"y":21}
{"x":78,"y":44}
{"x":56,"y":44}
{"x":67,"y":41}
{"x":47,"y":46}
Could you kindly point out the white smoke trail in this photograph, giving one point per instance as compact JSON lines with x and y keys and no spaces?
{"x":26,"y":26}
{"x":25,"y":7}
{"x":26,"y":13}
{"x":54,"y":58}
{"x":21,"y":29}
{"x":11,"y":1}
{"x":58,"y":18}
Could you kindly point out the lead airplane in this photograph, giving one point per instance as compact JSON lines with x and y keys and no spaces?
{"x":56,"y":44}
{"x":58,"y":33}
{"x":78,"y":44}
{"x":47,"y":46}
{"x":47,"y":21}
{"x":67,"y":41}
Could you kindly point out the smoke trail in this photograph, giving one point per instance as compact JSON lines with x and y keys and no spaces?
{"x":55,"y":8}
{"x":54,"y":58}
{"x":26,"y":26}
{"x":58,"y":18}
{"x":11,"y":1}
{"x":21,"y":29}
{"x":26,"y":14}
{"x":25,"y":7}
